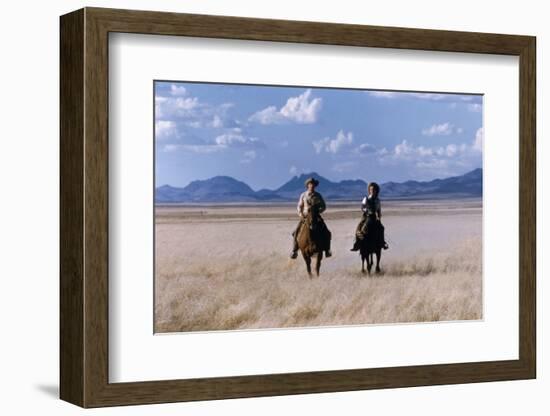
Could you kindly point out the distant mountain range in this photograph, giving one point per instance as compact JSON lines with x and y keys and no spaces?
{"x":228,"y":189}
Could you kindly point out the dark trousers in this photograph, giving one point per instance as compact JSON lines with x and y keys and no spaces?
{"x":368,"y":221}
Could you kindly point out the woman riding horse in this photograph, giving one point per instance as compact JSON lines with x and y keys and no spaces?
{"x":372,"y":215}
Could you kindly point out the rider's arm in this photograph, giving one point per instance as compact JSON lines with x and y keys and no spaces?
{"x":364,"y":204}
{"x":322,"y":205}
{"x":300,"y":205}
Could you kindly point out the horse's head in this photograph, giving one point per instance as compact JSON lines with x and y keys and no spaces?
{"x":312,"y":218}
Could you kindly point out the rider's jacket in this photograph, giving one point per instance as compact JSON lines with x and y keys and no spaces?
{"x":309,"y":199}
{"x":371,"y":206}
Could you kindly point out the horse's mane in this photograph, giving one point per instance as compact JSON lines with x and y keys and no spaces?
{"x":313,"y":215}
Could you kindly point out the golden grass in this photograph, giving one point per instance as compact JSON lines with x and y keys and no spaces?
{"x":201,"y":289}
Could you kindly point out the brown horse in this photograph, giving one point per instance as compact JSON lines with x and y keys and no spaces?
{"x":312,"y":239}
{"x":371,"y":245}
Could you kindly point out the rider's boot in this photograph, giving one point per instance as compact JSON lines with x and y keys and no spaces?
{"x":294,"y":252}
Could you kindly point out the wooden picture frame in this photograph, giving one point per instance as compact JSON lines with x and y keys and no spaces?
{"x":84,"y":207}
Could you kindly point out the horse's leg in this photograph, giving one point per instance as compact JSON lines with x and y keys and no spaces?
{"x":378,"y":256}
{"x":307,"y":259}
{"x":363,"y":264}
{"x":369,"y":262}
{"x":318,"y":264}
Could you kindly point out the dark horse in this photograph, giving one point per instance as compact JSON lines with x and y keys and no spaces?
{"x":371,"y":244}
{"x":313,"y":239}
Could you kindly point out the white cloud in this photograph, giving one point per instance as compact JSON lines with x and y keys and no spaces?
{"x":408,"y":151}
{"x":171,"y":147}
{"x":365,"y":149}
{"x":443,"y":129}
{"x":320,"y":144}
{"x":217,"y":121}
{"x":298,"y":109}
{"x":402,"y":149}
{"x":451,"y":150}
{"x":453,"y":99}
{"x":195,"y":124}
{"x":165,"y":129}
{"x":329,"y":145}
{"x":248,"y":156}
{"x":194,"y":148}
{"x":182,"y":106}
{"x":383,"y":94}
{"x":177,"y":90}
{"x":189,"y":111}
{"x":433,"y":161}
{"x":404,"y":94}
{"x":293,"y":170}
{"x":219,"y":143}
{"x":475,"y":107}
{"x":429,"y":96}
{"x":238,"y":140}
{"x":159,"y":102}
{"x":437,"y":156}
{"x":268,"y":115}
{"x":301,"y":109}
{"x":425,"y":151}
{"x":478,"y":141}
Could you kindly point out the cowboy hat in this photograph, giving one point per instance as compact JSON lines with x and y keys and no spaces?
{"x":312,"y":180}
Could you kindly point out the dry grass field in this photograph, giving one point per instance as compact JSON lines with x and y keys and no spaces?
{"x":227,"y":267}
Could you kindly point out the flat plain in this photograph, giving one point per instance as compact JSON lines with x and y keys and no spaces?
{"x":226,"y":267}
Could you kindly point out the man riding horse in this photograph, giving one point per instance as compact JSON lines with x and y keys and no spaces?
{"x":372,"y":215}
{"x":309,"y":200}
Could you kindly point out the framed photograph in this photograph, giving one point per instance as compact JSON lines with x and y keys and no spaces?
{"x":255,"y":207}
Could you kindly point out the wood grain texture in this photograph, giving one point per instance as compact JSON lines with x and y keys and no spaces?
{"x":96,"y":208}
{"x":84,"y":207}
{"x":71,"y":213}
{"x":528,"y":208}
{"x":228,"y":27}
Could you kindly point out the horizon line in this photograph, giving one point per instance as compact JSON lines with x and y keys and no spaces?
{"x":314,"y":173}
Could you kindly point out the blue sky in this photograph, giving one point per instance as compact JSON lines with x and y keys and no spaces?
{"x":264,"y":135}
